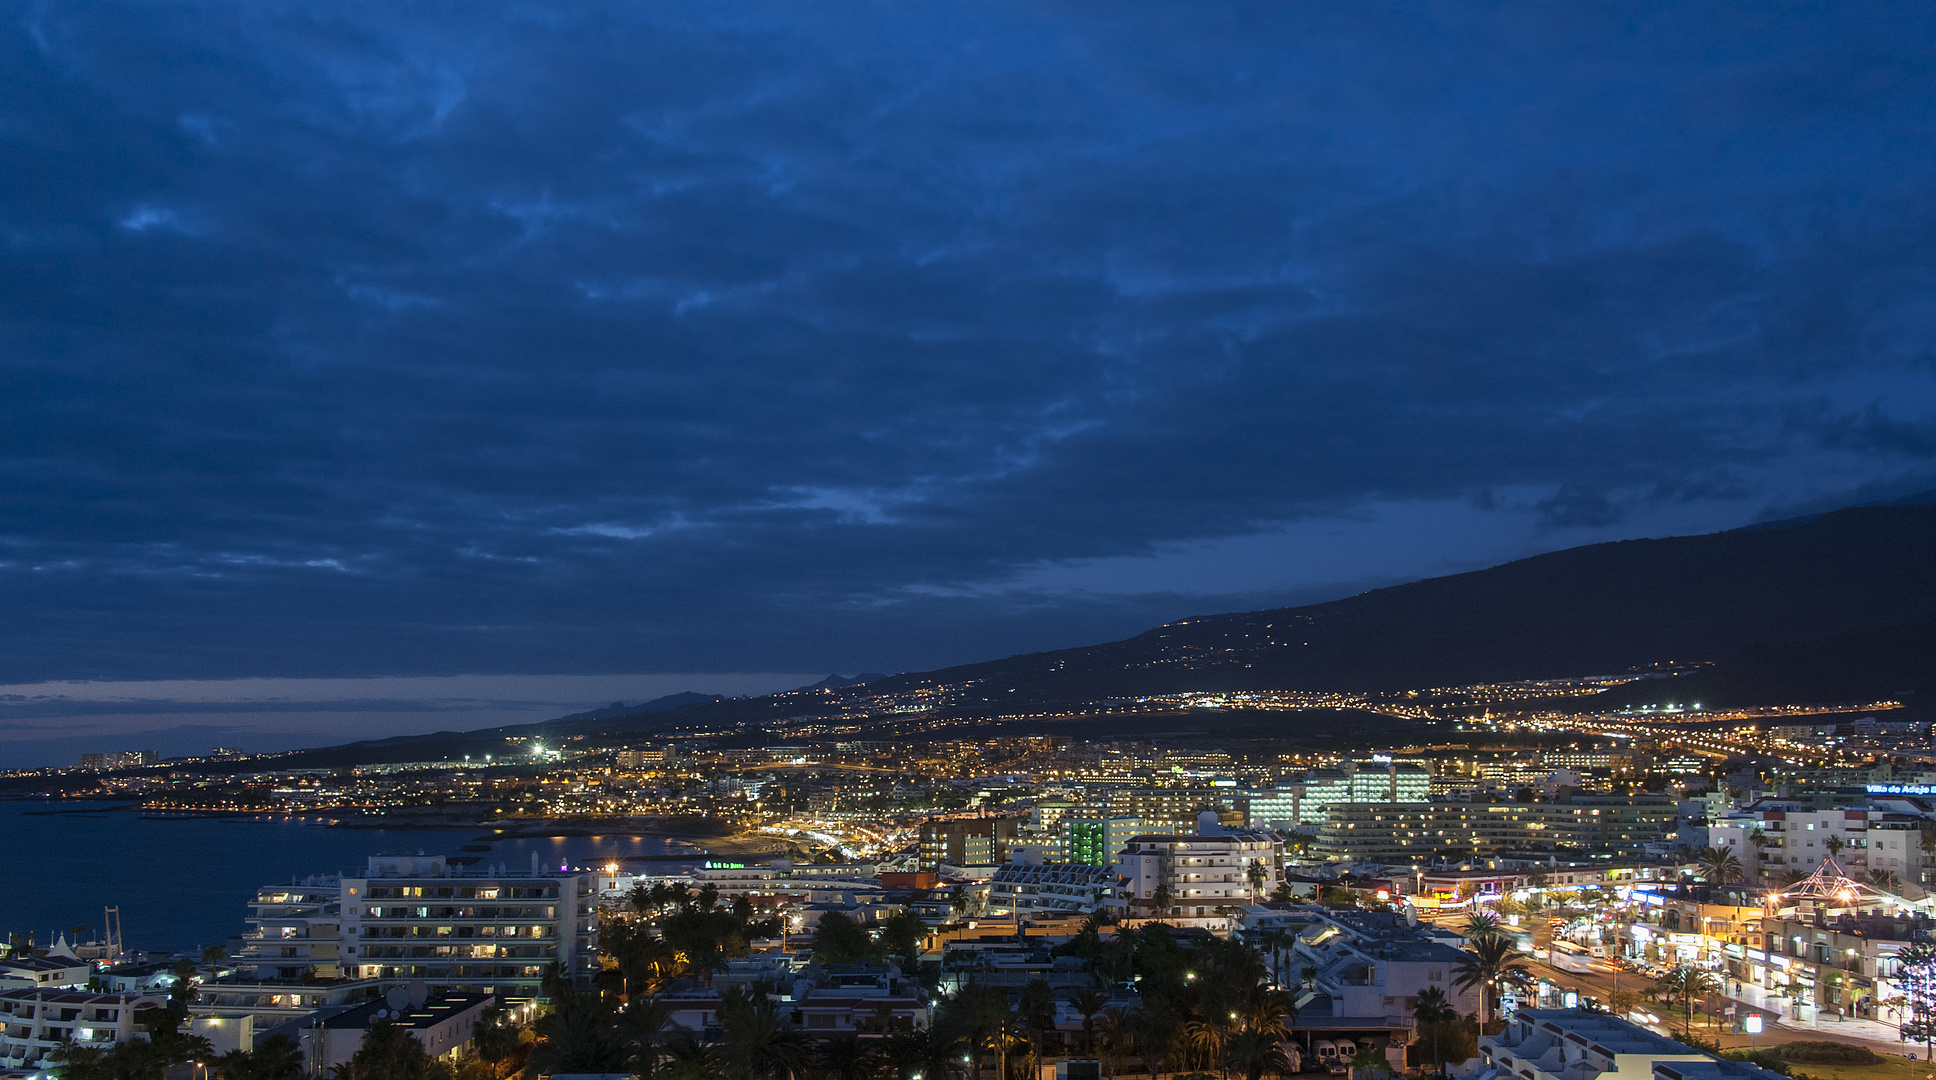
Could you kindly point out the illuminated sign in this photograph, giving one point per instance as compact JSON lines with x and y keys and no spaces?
{"x":1752,"y":1023}
{"x":1902,"y":789}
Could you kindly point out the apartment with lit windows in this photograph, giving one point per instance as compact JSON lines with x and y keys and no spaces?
{"x":295,"y":931}
{"x":1200,"y":872}
{"x":464,"y":930}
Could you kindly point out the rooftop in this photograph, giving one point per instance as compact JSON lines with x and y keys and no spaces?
{"x":416,"y":1017}
{"x":1603,"y":1032}
{"x":40,"y":963}
{"x":74,"y":997}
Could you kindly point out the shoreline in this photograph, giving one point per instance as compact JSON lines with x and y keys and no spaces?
{"x":690,"y":837}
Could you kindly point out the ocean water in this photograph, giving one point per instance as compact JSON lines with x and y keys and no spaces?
{"x":184,"y":883}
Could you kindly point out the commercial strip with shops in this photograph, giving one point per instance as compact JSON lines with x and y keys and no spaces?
{"x":1826,"y":946}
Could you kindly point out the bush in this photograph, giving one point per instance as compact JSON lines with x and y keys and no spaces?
{"x":1762,"y":1058}
{"x":1826,"y":1053}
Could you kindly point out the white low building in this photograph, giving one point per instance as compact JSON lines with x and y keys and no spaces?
{"x":35,"y":1022}
{"x":442,"y":1024}
{"x":1053,"y":889}
{"x":1572,"y":1044}
{"x":50,"y":972}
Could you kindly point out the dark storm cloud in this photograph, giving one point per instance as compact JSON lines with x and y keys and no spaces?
{"x":359,"y":338}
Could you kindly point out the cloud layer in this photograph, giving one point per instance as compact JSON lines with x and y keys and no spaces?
{"x":548,"y":337}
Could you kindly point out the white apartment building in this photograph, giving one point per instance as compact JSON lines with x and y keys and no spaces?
{"x":419,"y":918}
{"x":1883,"y":835}
{"x":1791,"y":838}
{"x":1202,"y":872}
{"x":295,"y":932}
{"x":34,"y":1022}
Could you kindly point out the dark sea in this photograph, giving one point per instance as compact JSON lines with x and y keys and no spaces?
{"x":185,"y":883}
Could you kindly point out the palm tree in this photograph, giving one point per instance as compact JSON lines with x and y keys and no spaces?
{"x":1274,"y":941}
{"x":1118,"y":1041}
{"x":1207,"y":1037}
{"x":757,"y":1039}
{"x":1088,"y":1003}
{"x":1257,"y":874}
{"x":1482,"y":926}
{"x":1834,"y":844}
{"x":1491,"y":962}
{"x":1160,"y":899}
{"x":575,"y":1037}
{"x":1369,"y":1060}
{"x":1432,"y":1012}
{"x":1156,"y":1030}
{"x":1255,"y":1052}
{"x":930,"y":1054}
{"x":1685,"y":982}
{"x":981,"y":1014}
{"x":1269,"y":1011}
{"x":846,"y":1057}
{"x":494,"y":1038}
{"x":640,"y":1027}
{"x":389,"y":1052}
{"x":689,"y":1059}
{"x":1036,"y":1012}
{"x":1719,"y":865}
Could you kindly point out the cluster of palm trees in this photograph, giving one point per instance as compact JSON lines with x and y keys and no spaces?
{"x":1211,"y":1005}
{"x":589,"y":1033}
{"x":671,"y":931}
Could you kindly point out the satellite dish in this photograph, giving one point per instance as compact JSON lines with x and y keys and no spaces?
{"x":397,"y":998}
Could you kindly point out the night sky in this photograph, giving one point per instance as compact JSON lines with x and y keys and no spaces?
{"x":724,"y":345}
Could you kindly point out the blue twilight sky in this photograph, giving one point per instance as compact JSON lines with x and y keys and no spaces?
{"x":692,"y":342}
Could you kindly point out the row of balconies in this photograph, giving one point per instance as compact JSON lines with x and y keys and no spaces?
{"x":471,"y":913}
{"x":371,"y":933}
{"x":418,"y":952}
{"x":441,"y":971}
